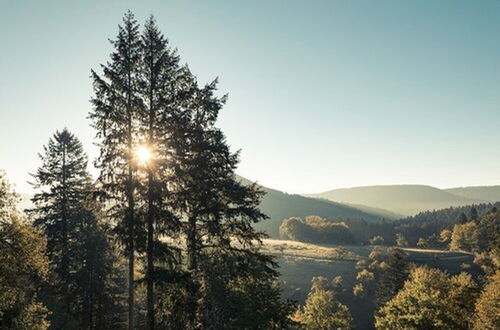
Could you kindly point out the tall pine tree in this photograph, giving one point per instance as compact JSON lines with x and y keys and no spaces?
{"x":159,"y":71}
{"x":116,"y":108}
{"x":216,"y":209}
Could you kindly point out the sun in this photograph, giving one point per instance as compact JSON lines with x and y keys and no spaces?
{"x":143,"y":154}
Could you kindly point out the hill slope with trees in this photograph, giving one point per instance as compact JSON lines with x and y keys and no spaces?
{"x":278,"y":205}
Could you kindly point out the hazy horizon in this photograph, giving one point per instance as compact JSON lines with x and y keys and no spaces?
{"x":322,"y":95}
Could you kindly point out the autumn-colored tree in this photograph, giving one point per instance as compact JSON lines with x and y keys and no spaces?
{"x":487,"y":308}
{"x":323,"y":311}
{"x":430,"y":300}
{"x":465,"y":237}
{"x":24,"y":267}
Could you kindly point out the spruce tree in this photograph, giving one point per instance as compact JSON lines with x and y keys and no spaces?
{"x":62,"y":182}
{"x":462,"y":218}
{"x":116,"y":108}
{"x":158,"y":73}
{"x":473,"y":216}
{"x":217,"y":210}
{"x":77,"y":246}
{"x":99,"y":284}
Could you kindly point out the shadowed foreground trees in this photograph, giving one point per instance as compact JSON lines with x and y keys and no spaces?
{"x":24,"y":267}
{"x":79,"y":292}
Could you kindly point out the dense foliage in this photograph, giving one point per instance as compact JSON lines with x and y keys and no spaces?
{"x":488,"y":305}
{"x":181,"y":207}
{"x":24,"y":267}
{"x":323,"y":311}
{"x":314,"y":229}
{"x":464,"y":225}
{"x":428,"y":225}
{"x":430,"y":300}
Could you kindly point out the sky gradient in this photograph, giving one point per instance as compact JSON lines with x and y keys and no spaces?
{"x":322,"y":94}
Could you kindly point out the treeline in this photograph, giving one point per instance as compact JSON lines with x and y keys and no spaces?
{"x":314,"y":229}
{"x":164,"y":238}
{"x":428,"y":225}
{"x":431,"y":229}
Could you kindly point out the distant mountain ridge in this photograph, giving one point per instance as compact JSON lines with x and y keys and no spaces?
{"x":406,"y":200}
{"x":486,"y":193}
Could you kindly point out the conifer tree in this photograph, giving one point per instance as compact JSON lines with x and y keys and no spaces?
{"x":473,"y":216}
{"x":462,"y":218}
{"x":217,"y":210}
{"x":99,"y":283}
{"x":159,"y":69}
{"x":78,"y":247}
{"x":116,"y":108}
{"x":62,"y":182}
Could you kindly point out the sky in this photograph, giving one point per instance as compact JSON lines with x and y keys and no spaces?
{"x":322,"y":94}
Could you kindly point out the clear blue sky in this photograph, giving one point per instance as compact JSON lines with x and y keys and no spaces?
{"x":322,"y":94}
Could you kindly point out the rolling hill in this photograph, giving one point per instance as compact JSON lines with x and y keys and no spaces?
{"x":278,"y":205}
{"x":485,"y":193}
{"x":401,"y":199}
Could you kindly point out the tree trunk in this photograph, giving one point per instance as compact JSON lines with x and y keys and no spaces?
{"x":151,"y":211}
{"x":131,"y":202}
{"x":192,"y":265}
{"x":130,"y":253}
{"x":64,"y":220}
{"x":150,"y":259}
{"x":131,"y":220}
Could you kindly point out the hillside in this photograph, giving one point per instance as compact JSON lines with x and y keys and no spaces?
{"x":485,"y":193}
{"x":278,"y":205}
{"x":401,"y":199}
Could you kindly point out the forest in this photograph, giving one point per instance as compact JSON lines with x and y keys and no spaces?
{"x":167,"y":236}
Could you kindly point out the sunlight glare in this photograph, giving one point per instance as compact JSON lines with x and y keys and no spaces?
{"x":143,"y":154}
